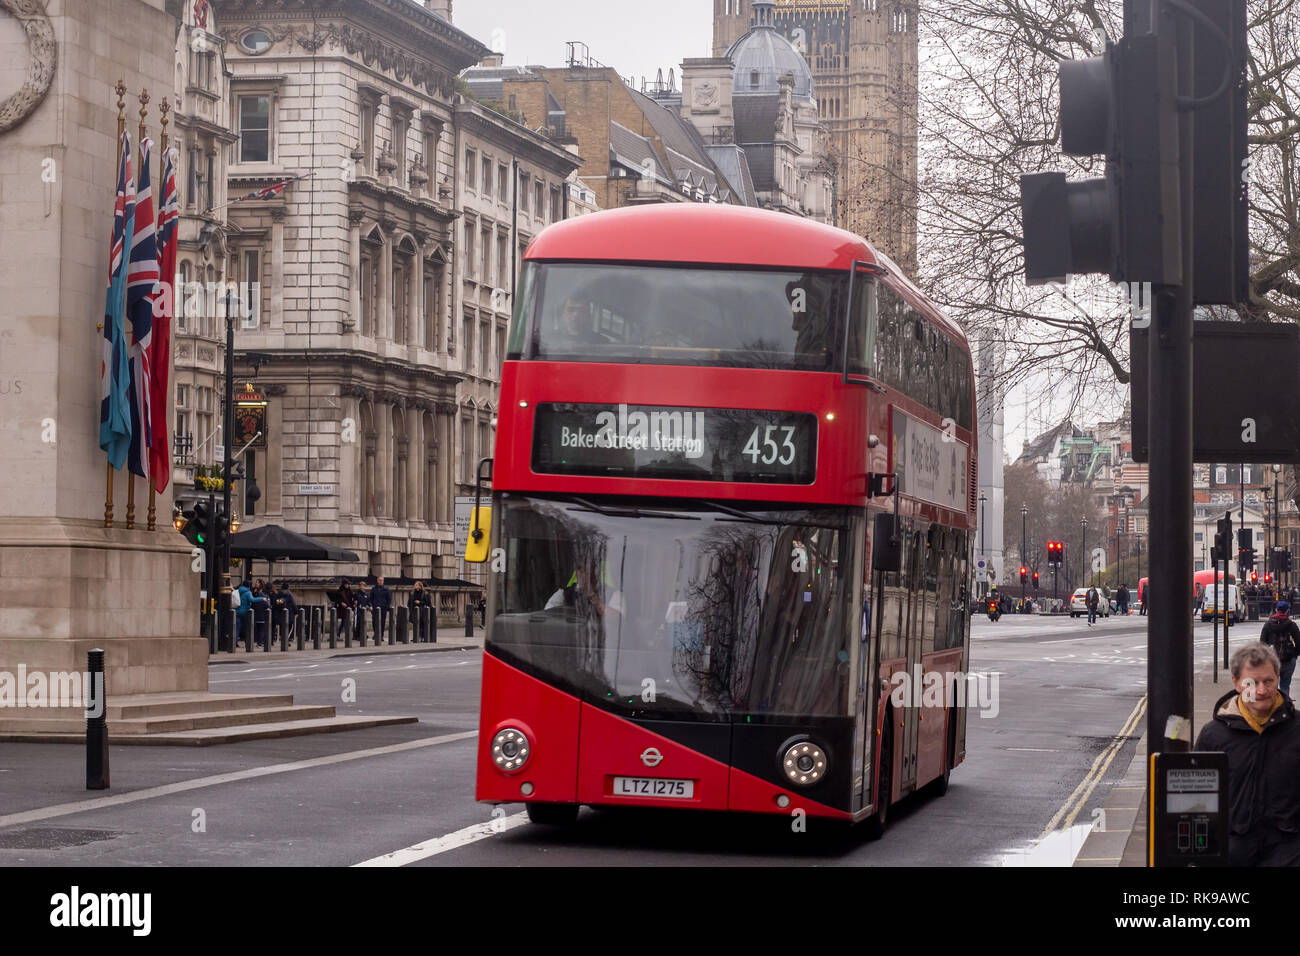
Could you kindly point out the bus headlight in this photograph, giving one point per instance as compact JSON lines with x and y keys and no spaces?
{"x":804,"y":763}
{"x":510,"y":749}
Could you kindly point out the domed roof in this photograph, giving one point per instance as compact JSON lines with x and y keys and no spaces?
{"x":762,"y":56}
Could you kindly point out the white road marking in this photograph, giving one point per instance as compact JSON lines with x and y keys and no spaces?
{"x":84,"y":806}
{"x":1032,"y":750}
{"x":452,"y":841}
{"x":353,"y":670}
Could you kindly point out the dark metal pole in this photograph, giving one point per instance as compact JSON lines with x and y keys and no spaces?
{"x":1024,"y":513}
{"x":1083,"y":556}
{"x":1169,"y":631}
{"x":96,"y":723}
{"x":227,"y":439}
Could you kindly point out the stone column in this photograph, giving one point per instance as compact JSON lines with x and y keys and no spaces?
{"x":275,"y":320}
{"x":353,"y":318}
{"x":414,"y":298}
{"x":446,"y":455}
{"x":384,"y":459}
{"x":351,"y":458}
{"x":384,"y":324}
{"x":414,"y":460}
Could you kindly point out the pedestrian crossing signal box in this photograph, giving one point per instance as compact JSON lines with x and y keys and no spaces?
{"x":1188,"y":809}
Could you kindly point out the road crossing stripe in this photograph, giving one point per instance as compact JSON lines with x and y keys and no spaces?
{"x":1097,"y":771}
{"x":452,"y":841}
{"x":150,"y":793}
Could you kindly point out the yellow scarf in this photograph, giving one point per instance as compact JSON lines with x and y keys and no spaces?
{"x":1251,"y":719}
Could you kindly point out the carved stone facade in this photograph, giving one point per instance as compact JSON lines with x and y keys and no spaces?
{"x":201,"y":135}
{"x":863,"y":57}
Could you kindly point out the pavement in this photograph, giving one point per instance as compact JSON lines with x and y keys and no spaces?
{"x":1119,"y":837}
{"x":448,"y":639}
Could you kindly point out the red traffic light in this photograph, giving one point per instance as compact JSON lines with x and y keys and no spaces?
{"x":1268,"y":579}
{"x":1254,"y":576}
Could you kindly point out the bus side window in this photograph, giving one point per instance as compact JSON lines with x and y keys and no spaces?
{"x":862,"y":326}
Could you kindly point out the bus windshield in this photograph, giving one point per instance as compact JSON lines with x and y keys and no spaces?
{"x":609,"y":312}
{"x":677,"y":609}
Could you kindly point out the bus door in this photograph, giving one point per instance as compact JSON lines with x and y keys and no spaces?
{"x":914,"y":568}
{"x":887,"y":611}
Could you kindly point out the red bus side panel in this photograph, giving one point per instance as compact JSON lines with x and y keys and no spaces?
{"x":550,"y":718}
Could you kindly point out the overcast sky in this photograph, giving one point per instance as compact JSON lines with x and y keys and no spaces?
{"x":633,"y":38}
{"x":640,"y":39}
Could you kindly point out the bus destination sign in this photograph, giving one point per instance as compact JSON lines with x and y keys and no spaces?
{"x":654,"y":441}
{"x":930,"y":464}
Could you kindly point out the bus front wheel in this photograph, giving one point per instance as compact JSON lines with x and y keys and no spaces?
{"x":553,"y":814}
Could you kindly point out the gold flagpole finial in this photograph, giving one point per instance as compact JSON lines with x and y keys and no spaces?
{"x":120,"y":89}
{"x":144,"y":111}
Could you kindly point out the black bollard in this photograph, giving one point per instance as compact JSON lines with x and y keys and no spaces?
{"x":400,"y":623}
{"x":346,"y":624}
{"x":96,"y":725}
{"x":431,"y":624}
{"x":334,"y":629}
{"x":284,"y":628}
{"x":390,"y":626}
{"x":469,"y":619}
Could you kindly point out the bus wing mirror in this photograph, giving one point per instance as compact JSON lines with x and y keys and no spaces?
{"x":476,"y":547}
{"x":886,"y":545}
{"x":480,"y":522}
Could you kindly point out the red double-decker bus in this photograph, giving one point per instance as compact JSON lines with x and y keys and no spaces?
{"x":732,"y":511}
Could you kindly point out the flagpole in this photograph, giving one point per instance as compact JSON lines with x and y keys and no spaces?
{"x":120,"y":89}
{"x":163,"y":108}
{"x":130,"y":481}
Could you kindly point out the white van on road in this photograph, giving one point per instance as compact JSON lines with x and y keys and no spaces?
{"x":1214,"y":598}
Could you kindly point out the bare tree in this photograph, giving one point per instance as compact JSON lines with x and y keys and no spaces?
{"x":989,"y":111}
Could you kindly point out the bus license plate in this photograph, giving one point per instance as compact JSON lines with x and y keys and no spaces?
{"x":653,"y":787}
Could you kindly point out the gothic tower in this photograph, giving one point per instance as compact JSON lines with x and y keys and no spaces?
{"x":863,"y":54}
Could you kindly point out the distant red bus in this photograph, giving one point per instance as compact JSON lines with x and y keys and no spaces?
{"x":704,"y":591}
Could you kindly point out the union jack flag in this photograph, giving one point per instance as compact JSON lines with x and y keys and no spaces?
{"x":163,"y":303}
{"x":141,"y":285}
{"x":270,"y":192}
{"x":114,"y":370}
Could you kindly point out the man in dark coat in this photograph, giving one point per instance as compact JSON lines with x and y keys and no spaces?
{"x":381,"y":598}
{"x":284,"y":599}
{"x":1257,"y":727}
{"x":1121,"y":599}
{"x":1281,"y":634}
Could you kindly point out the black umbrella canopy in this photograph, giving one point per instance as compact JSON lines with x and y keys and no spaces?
{"x":275,"y":543}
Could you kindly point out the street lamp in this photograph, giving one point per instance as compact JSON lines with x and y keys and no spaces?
{"x":1277,"y":470}
{"x":1120,"y":548}
{"x":983,"y":554}
{"x":1083,"y":549}
{"x":1024,"y":518}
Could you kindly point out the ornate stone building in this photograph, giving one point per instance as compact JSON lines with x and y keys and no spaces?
{"x":352,"y":341}
{"x":863,"y":57}
{"x":384,"y":268}
{"x":201,"y":135}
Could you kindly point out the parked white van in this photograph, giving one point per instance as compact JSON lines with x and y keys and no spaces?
{"x":1214,"y":596}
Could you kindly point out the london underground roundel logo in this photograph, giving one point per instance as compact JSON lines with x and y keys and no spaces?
{"x":651,"y":757}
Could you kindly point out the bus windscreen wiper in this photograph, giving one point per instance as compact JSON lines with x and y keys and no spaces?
{"x":627,"y":511}
{"x":746,"y":516}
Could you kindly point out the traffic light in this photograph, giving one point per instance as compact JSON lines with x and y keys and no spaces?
{"x":1035,"y":580}
{"x":1268,"y":578}
{"x":196,"y":524}
{"x":1123,"y":105}
{"x":1054,"y":553}
{"x":1223,"y":538}
{"x":1248,"y":558}
{"x":1024,"y":574}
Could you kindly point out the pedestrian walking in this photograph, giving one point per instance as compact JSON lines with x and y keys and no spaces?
{"x":1256,"y":726}
{"x":1121,"y":598}
{"x":284,"y":600}
{"x":1281,"y":634}
{"x":242,"y":613}
{"x":1145,"y":597}
{"x":1093,"y":600}
{"x":482,"y":610}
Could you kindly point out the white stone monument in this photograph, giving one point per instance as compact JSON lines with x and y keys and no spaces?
{"x":67,"y":582}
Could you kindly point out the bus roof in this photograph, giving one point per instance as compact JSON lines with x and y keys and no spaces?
{"x":700,"y":233}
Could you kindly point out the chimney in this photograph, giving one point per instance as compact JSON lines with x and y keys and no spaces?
{"x":440,"y":7}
